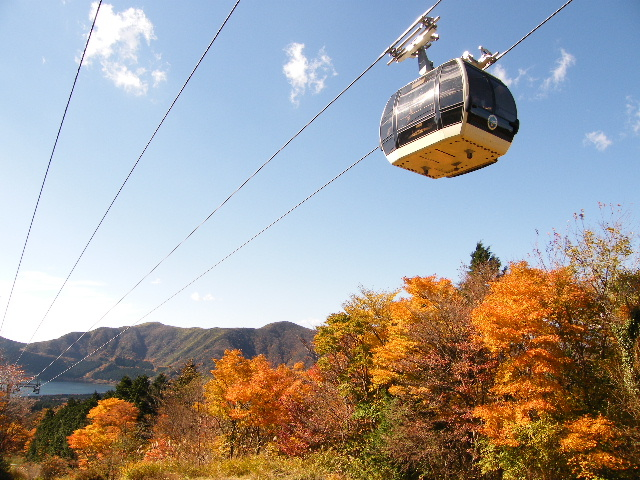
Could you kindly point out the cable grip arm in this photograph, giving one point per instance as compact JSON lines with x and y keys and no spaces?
{"x":418,"y":36}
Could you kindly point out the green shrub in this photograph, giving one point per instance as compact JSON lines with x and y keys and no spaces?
{"x":354,"y":467}
{"x":5,"y":469}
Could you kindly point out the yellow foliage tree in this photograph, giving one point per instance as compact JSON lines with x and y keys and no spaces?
{"x":347,"y":340}
{"x":107,"y":441}
{"x":607,"y":260}
{"x":543,"y":327}
{"x":252,"y":400}
{"x":591,"y":444}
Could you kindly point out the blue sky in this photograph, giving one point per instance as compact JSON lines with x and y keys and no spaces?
{"x":273,"y":67}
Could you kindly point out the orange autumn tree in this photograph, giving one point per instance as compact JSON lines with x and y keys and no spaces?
{"x":428,"y":320}
{"x":14,"y":410}
{"x":320,"y":416}
{"x":110,"y":437}
{"x":252,"y":401}
{"x":437,"y":373}
{"x":543,"y":328}
{"x":591,"y":445}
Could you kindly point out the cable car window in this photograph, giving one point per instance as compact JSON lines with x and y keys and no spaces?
{"x":505,"y":104}
{"x":406,"y":97}
{"x":386,"y":124}
{"x":417,"y":103}
{"x":450,"y":98}
{"x":450,"y":85}
{"x":451,"y":116}
{"x":450,"y":76}
{"x":389,"y":145}
{"x":449,"y":70}
{"x":425,"y":103}
{"x":481,"y":91}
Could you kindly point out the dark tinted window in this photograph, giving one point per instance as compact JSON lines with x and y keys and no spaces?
{"x":480,"y":89}
{"x":450,"y":85}
{"x":505,"y":105}
{"x":451,"y":116}
{"x":388,"y":145}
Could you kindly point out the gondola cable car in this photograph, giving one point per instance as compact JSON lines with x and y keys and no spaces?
{"x":453,"y":119}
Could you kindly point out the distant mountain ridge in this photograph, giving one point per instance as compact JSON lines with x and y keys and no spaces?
{"x":153,"y":348}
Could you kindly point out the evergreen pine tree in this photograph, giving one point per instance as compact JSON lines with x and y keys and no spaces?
{"x":51,"y":434}
{"x":483,"y":259}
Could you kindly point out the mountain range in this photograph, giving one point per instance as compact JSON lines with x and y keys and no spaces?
{"x":107,"y":354}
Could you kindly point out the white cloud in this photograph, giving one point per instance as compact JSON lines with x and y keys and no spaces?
{"x":501,"y":72}
{"x":158,"y":77}
{"x":196,"y":297}
{"x":116,"y":43}
{"x":121,"y":76}
{"x":157,"y":281}
{"x":633,"y":115}
{"x":559,"y":73}
{"x":597,"y":139}
{"x":304,"y":74}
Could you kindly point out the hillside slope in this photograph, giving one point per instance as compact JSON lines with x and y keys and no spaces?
{"x":152,"y":348}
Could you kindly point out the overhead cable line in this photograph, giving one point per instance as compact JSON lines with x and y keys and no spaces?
{"x":209,"y":269}
{"x":268,"y":161}
{"x":499,"y":56}
{"x":46,"y":173}
{"x":245,"y":182}
{"x":128,"y":176}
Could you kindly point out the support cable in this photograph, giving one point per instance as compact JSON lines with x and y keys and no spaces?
{"x":215,"y":210}
{"x":278,"y":219}
{"x":208,"y":270}
{"x":499,"y":56}
{"x":46,"y":173}
{"x":258,"y":170}
{"x":127,"y":178}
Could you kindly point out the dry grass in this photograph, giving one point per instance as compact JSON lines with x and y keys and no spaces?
{"x":247,"y":468}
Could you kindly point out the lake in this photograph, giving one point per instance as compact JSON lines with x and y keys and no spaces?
{"x":69,"y":388}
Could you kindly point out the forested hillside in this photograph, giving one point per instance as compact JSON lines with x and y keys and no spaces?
{"x":153,"y":348}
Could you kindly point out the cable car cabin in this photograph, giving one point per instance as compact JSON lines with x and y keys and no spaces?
{"x":453,"y":120}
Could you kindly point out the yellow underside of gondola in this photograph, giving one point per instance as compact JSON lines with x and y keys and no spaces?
{"x":452,"y":151}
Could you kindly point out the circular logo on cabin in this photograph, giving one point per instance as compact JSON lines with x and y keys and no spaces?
{"x":492,"y":122}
